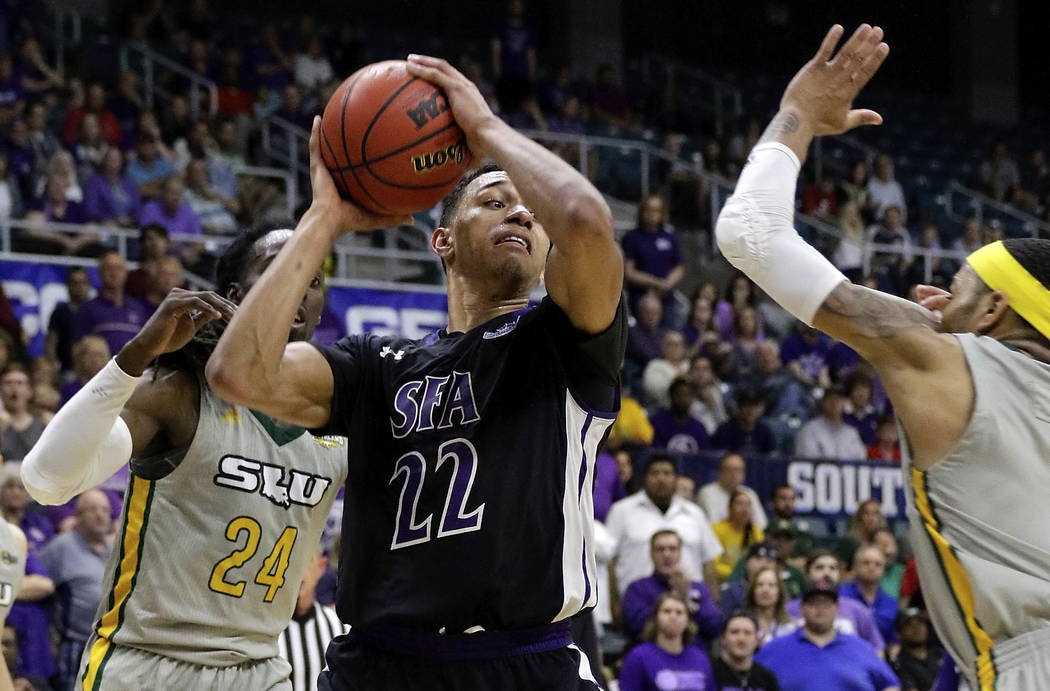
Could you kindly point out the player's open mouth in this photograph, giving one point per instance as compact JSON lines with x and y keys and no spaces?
{"x":514,"y":238}
{"x":300,"y":318}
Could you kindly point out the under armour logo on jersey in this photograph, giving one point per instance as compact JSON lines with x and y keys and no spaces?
{"x":248,"y":475}
{"x":387,"y":350}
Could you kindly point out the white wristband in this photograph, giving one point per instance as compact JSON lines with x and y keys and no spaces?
{"x":756,"y":234}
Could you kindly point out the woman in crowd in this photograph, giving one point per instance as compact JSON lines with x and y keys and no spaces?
{"x":666,"y":659}
{"x":735,"y":533}
{"x":765,"y":600}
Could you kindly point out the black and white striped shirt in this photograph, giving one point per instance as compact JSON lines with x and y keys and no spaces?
{"x":304,"y":641}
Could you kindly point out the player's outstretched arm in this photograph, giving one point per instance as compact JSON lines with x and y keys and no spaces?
{"x":254,"y":364}
{"x":584,"y":274}
{"x":119,"y":412}
{"x":755,"y":233}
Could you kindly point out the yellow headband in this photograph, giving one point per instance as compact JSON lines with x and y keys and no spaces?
{"x":1026,"y":295}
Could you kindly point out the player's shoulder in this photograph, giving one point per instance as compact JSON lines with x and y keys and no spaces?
{"x":18,"y":537}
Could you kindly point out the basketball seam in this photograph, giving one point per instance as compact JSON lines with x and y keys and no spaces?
{"x":388,"y":154}
{"x":366,"y":162}
{"x":346,"y":151}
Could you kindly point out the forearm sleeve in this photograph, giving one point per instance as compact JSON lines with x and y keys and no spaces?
{"x":85,"y":443}
{"x":756,"y":234}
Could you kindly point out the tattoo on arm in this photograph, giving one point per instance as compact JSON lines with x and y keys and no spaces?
{"x":785,"y":122}
{"x":874,"y":314}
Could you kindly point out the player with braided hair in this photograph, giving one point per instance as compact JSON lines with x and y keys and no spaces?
{"x":224,"y":508}
{"x":967,"y":370}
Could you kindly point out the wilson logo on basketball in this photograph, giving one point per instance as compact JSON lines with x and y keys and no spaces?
{"x":453,"y":153}
{"x":428,"y":109}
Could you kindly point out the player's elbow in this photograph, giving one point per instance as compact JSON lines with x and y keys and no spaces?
{"x":733,"y":229}
{"x":589,"y":218}
{"x":226,"y":381}
{"x":40,"y":491}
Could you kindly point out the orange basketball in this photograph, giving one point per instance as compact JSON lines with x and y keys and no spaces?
{"x":390,"y":142}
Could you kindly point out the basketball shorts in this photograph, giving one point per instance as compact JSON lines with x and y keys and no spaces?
{"x":1021,"y":663}
{"x":540,"y":659}
{"x":130,"y":669}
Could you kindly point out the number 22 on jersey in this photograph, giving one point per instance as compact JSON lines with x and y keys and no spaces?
{"x":271,"y":573}
{"x":454,"y":518}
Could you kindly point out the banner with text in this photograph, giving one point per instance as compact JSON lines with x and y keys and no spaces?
{"x":35,"y":289}
{"x":831,"y":489}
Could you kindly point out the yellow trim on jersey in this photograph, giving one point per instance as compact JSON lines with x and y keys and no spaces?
{"x":958,"y":583}
{"x":130,"y":558}
{"x":1026,"y":295}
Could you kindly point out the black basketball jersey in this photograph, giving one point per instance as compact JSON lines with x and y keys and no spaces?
{"x":472,"y":457}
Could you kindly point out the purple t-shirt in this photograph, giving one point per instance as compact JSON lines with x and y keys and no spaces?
{"x":38,"y":530}
{"x":655,"y":253}
{"x":105,"y":201}
{"x":688,"y":436}
{"x":117,"y":324}
{"x":812,"y":357}
{"x":184,"y":220}
{"x":607,"y":485}
{"x":33,"y":623}
{"x":650,"y":668}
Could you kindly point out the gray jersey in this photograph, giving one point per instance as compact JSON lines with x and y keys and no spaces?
{"x":979,"y":516}
{"x":207,"y":565}
{"x":12,"y":568}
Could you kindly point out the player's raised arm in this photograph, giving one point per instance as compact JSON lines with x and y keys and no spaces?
{"x":119,"y":412}
{"x":254,"y":364}
{"x":755,"y":233}
{"x":584,"y":274}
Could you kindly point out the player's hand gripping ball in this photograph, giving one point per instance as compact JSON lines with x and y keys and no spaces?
{"x":390,"y":142}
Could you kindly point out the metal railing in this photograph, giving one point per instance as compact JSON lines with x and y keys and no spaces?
{"x":984,"y":208}
{"x":149,"y":61}
{"x":927,"y":255}
{"x":290,"y":145}
{"x":356,"y":258}
{"x":291,"y":183}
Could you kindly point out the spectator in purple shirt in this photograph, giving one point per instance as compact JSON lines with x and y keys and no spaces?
{"x":171,"y":210}
{"x":860,"y":413}
{"x":110,"y":197}
{"x":675,"y":429}
{"x":90,"y":354}
{"x":869,"y":565}
{"x":652,"y":259}
{"x":14,"y":504}
{"x":607,"y":485}
{"x":805,"y":353}
{"x":32,"y":620}
{"x":666,"y":660}
{"x":54,"y":207}
{"x":645,"y":338}
{"x":112,"y":315}
{"x":640,"y":599}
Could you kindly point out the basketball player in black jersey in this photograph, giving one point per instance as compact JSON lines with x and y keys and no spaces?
{"x":467,"y":540}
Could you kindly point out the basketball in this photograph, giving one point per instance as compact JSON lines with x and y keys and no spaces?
{"x":390,"y":142}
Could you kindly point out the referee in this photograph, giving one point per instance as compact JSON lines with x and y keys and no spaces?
{"x":306,"y":637}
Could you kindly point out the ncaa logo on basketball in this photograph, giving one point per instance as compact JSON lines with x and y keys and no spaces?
{"x":427,"y":109}
{"x":453,"y":153}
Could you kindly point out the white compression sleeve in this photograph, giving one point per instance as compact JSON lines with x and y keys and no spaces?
{"x":756,"y":234}
{"x":85,"y":443}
